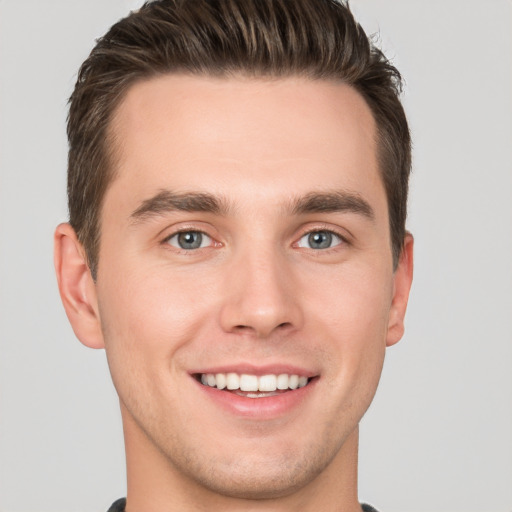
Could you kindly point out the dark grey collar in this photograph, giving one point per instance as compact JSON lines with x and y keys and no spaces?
{"x":119,"y":506}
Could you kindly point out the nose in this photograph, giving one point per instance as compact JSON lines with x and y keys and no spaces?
{"x":260,"y":297}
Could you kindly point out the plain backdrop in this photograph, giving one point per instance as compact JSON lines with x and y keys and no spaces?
{"x":438,"y":437}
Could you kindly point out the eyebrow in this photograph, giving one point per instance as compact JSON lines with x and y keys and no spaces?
{"x":332,"y":202}
{"x":167,"y":201}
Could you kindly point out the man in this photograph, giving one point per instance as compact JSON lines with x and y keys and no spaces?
{"x":237,"y":190}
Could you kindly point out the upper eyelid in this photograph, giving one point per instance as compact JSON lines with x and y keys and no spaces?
{"x":342,"y":241}
{"x":175,"y":233}
{"x":332,"y":231}
{"x":165,"y":243}
{"x":213,"y":241}
{"x":343,"y":234}
{"x":170,"y":231}
{"x":186,"y":230}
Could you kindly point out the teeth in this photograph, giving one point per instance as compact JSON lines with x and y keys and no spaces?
{"x":282,"y":381}
{"x":220,"y":380}
{"x":267,"y":383}
{"x":248,"y":382}
{"x":253,"y":383}
{"x":232,"y":381}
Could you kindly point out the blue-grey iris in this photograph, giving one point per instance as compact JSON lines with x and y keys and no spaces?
{"x":190,"y":239}
{"x":320,"y":240}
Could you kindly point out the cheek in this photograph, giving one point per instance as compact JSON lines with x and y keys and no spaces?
{"x":148,"y":323}
{"x":148,"y":311}
{"x":147,"y":316}
{"x":354,"y":312}
{"x":351,"y":303}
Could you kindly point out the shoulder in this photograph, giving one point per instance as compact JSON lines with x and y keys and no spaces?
{"x":368,"y":508}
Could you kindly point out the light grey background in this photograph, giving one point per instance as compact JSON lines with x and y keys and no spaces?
{"x":439,"y":435}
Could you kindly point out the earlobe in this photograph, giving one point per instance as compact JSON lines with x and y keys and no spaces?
{"x":402,"y":285}
{"x":76,"y":286}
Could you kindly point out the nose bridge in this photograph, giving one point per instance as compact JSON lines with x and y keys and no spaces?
{"x":259,"y":296}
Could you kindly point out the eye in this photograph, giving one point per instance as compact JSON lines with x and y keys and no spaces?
{"x":319,"y":240}
{"x":189,"y":240}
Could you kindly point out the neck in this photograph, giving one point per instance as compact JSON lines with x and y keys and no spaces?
{"x":156,"y":485}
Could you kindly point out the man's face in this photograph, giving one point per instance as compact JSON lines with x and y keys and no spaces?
{"x":245,"y":233}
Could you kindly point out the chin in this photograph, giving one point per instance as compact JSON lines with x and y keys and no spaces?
{"x":260,"y":474}
{"x":260,"y":480}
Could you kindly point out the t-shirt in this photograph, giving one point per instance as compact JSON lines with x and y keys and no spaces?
{"x":119,"y":505}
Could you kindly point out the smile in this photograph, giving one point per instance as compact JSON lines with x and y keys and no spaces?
{"x":259,"y":394}
{"x":253,"y":386}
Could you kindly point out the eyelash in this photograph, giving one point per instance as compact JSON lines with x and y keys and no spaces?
{"x":324,"y":229}
{"x":166,"y":240}
{"x":214,"y":243}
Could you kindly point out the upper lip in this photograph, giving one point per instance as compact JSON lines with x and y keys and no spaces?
{"x":250,"y":369}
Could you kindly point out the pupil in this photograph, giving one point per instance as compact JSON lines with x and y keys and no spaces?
{"x":190,"y":240}
{"x":320,"y":240}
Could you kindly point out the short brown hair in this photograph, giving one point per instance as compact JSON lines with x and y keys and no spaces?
{"x":318,"y":39}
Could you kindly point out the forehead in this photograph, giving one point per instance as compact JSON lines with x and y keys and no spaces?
{"x":217,"y":134}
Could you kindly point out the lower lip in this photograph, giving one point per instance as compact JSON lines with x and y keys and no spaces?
{"x":258,"y":408}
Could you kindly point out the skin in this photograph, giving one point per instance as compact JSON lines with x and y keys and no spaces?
{"x":255,"y":293}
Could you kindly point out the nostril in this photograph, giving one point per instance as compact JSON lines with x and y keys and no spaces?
{"x":284,"y":327}
{"x":262,"y":331}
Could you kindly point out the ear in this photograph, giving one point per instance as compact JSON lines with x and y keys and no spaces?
{"x":76,"y":286}
{"x":402,"y":281}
